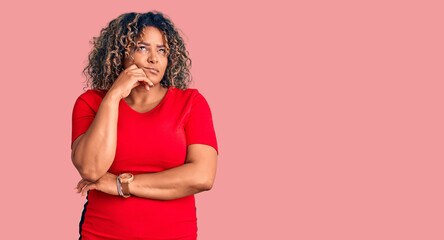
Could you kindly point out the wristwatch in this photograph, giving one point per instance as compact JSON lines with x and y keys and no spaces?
{"x":125,"y":179}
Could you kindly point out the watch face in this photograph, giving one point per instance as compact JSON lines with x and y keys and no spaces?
{"x":125,"y":176}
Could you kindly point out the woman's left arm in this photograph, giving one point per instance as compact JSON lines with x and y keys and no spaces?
{"x":196,"y":175}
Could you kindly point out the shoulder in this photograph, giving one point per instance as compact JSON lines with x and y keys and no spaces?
{"x":194,"y":101}
{"x":93,"y":93}
{"x":186,"y":93}
{"x":92,"y":97}
{"x":189,"y":95}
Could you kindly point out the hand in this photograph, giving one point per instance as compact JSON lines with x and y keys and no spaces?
{"x":128,"y":79}
{"x":106,"y":184}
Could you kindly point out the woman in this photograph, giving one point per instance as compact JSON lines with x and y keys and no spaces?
{"x":142,"y":141}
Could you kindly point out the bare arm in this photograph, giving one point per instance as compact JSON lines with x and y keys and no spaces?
{"x":196,"y":175}
{"x":94,"y":151}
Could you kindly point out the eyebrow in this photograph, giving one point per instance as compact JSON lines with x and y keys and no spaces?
{"x":144,"y":43}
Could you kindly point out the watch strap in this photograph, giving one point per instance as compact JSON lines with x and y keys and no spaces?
{"x":125,"y":190}
{"x":119,"y":187}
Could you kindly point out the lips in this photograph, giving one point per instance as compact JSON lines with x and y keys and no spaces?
{"x":152,"y":69}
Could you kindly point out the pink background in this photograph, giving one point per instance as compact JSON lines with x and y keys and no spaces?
{"x":328,"y":115}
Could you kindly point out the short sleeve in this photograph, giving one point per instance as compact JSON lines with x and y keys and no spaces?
{"x":82,"y":117}
{"x":199,"y":128}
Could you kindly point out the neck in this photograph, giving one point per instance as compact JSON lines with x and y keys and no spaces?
{"x":140,"y":96}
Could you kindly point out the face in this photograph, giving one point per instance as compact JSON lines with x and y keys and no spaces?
{"x":150,"y":53}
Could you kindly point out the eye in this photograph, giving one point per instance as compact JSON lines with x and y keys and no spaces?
{"x":140,"y":47}
{"x":164,"y":51}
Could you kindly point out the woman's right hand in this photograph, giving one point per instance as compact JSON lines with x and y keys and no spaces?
{"x":128,"y":79}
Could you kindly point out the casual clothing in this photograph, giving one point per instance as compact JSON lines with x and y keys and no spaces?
{"x":146,"y":142}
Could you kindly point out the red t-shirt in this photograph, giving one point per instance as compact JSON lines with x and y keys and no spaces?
{"x":146,"y":142}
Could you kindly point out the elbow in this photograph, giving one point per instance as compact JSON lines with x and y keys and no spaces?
{"x":90,"y":176}
{"x":87,"y":173}
{"x":208,"y":186}
{"x":205,"y":184}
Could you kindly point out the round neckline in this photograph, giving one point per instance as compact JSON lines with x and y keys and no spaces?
{"x":156,"y":107}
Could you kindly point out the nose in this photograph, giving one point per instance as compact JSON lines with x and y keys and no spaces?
{"x":152,"y":58}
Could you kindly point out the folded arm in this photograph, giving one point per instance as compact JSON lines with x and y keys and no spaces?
{"x":196,"y":175}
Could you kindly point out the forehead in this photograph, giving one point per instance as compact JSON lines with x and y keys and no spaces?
{"x":151,"y":35}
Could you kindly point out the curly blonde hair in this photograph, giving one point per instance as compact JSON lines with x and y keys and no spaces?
{"x":118,"y":40}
